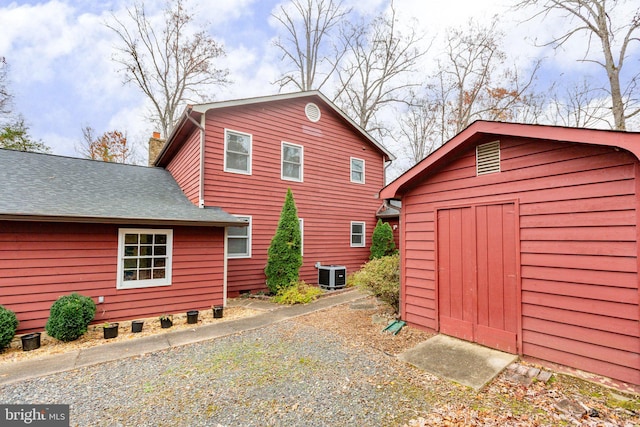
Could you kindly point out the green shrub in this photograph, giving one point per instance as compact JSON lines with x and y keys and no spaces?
{"x":298,"y":293}
{"x":8,"y":327}
{"x":284,"y":255}
{"x":382,"y":243}
{"x":69,"y":317}
{"x":381,"y":277}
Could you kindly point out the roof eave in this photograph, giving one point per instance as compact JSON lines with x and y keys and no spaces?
{"x":120,"y":221}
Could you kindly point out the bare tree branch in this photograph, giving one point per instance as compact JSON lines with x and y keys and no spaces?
{"x":308,"y":46}
{"x":594,"y":19}
{"x":170,"y":64}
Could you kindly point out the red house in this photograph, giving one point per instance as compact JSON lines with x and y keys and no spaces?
{"x":524,"y":238}
{"x":144,"y":241}
{"x":124,"y":235}
{"x":242,"y":155}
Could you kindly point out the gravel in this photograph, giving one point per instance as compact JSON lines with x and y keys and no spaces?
{"x":288,"y":374}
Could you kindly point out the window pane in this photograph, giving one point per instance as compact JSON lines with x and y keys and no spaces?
{"x":356,"y":165}
{"x":356,"y":228}
{"x":145,"y":262}
{"x":237,"y":231}
{"x":130,"y":251}
{"x":159,"y":262}
{"x":130,"y":263}
{"x":144,"y":274}
{"x":130,"y":275}
{"x":160,"y":250}
{"x":158,"y":273}
{"x":160,"y":239}
{"x":238,"y":161}
{"x":291,"y":154}
{"x":238,"y":246}
{"x":237,"y":143}
{"x":356,"y":239}
{"x":146,"y":239}
{"x":130,"y":238}
{"x":146,"y":250}
{"x":290,"y":170}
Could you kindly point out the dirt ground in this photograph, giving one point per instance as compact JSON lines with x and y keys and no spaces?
{"x":563,"y":400}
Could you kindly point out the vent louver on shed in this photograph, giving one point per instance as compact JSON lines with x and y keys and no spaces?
{"x":488,"y":158}
{"x":312,"y":111}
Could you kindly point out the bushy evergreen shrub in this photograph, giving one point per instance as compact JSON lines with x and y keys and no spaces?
{"x":381,"y":277}
{"x":69,"y":317}
{"x":284,"y":257}
{"x":298,"y":293}
{"x":8,"y":326}
{"x":382,"y":243}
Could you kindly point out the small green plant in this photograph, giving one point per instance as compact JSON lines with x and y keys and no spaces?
{"x":8,"y":327}
{"x":284,"y":255}
{"x":70,"y":316}
{"x":166,"y":317}
{"x":382,"y":243}
{"x":298,"y":293}
{"x":381,"y":277}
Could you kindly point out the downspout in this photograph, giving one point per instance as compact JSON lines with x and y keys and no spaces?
{"x":201,"y":174}
{"x":384,"y":170}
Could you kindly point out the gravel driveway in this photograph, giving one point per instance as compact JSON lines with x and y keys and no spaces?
{"x":285,"y":374}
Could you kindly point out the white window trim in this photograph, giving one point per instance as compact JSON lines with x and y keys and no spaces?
{"x":351,"y":170}
{"x":250,"y":161}
{"x":288,"y":178}
{"x":301,"y":224}
{"x":226,"y":238}
{"x":364,"y":234}
{"x":135,"y":284}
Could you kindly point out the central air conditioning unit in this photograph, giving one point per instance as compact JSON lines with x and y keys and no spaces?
{"x":332,"y":277}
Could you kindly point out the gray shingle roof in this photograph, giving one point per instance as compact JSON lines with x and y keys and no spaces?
{"x":48,"y":187}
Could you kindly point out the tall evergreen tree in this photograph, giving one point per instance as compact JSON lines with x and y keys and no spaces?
{"x":284,"y":255}
{"x":382,"y":243}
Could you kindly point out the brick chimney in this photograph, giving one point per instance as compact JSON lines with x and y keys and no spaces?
{"x":155,"y":146}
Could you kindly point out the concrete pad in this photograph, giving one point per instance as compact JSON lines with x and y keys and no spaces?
{"x":461,"y":361}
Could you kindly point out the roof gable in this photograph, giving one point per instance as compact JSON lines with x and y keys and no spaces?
{"x":45,"y":187}
{"x":192,"y":115}
{"x":484,"y":131}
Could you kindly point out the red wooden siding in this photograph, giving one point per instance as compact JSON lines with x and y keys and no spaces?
{"x":41,"y":261}
{"x":577,"y":247}
{"x":326,"y":199}
{"x":185,"y":168}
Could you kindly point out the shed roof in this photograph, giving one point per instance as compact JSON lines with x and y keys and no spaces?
{"x":44,"y":187}
{"x":482,"y":130}
{"x":193,"y":113}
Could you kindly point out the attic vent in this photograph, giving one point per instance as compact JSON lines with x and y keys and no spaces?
{"x":312,"y":111}
{"x":488,"y":158}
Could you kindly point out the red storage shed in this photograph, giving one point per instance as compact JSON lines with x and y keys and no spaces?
{"x":524,"y":238}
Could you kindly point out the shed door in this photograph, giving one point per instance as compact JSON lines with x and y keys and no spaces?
{"x":477,"y":281}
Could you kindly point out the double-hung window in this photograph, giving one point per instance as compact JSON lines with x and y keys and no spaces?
{"x":239,"y":240}
{"x":357,"y":234}
{"x":292,"y":161}
{"x":237,"y":152}
{"x":357,"y":170}
{"x":144,"y":258}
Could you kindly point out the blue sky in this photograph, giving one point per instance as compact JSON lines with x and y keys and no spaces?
{"x":63,"y":78}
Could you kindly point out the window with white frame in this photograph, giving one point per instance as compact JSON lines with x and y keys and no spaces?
{"x":239,"y":240}
{"x":357,"y":170}
{"x":357,"y":234}
{"x":144,"y":258}
{"x":301,"y":223}
{"x":237,"y":152}
{"x":292,"y":161}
